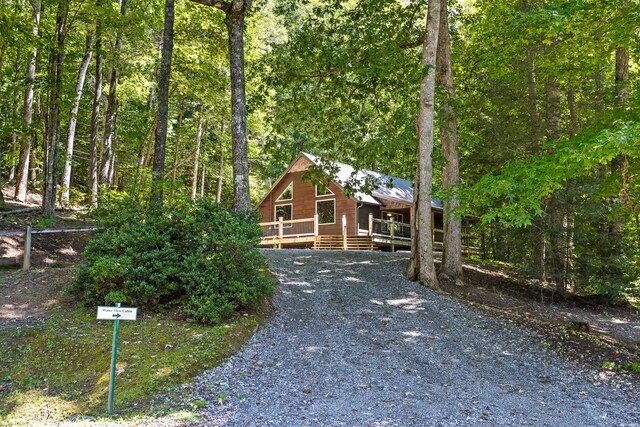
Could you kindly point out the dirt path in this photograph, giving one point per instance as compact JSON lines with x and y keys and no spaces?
{"x":355,"y":343}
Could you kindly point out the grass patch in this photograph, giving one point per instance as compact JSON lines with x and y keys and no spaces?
{"x":61,"y":368}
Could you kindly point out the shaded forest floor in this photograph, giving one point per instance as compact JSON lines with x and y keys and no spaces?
{"x":602,"y":335}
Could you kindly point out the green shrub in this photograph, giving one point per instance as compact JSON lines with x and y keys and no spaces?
{"x":196,"y":255}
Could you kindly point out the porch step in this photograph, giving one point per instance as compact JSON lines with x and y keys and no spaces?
{"x":354,"y":243}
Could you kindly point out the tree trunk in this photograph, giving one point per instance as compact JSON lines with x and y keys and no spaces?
{"x":176,"y":150}
{"x":109,"y":124}
{"x":452,"y":245}
{"x":235,"y":25}
{"x":423,"y":263}
{"x":53,"y":121}
{"x":73,"y":119}
{"x":157,"y":180}
{"x":95,"y":116}
{"x":557,"y":230}
{"x":194,"y":180}
{"x":220,"y":170}
{"x":13,"y":139}
{"x":27,"y":111}
{"x":622,"y":75}
{"x":204,"y":173}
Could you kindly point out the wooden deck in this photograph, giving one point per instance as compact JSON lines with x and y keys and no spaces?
{"x":380,"y":234}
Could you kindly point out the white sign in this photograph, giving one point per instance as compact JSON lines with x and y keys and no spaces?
{"x":117,"y":313}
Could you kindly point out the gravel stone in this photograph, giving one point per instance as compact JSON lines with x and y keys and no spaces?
{"x":354,"y":343}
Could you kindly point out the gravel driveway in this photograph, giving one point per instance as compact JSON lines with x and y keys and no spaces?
{"x":353,"y":343}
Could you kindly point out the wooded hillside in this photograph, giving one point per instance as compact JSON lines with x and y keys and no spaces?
{"x":525,"y":112}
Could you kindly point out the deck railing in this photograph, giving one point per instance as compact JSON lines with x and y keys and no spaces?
{"x":390,"y":231}
{"x":289,"y":228}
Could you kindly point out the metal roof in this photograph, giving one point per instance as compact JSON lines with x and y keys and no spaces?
{"x":389,"y":187}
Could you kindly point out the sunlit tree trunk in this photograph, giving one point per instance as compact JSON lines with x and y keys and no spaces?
{"x":452,"y":245}
{"x":109,"y":124}
{"x":196,"y":160}
{"x":27,"y":111}
{"x":53,"y":120}
{"x":95,"y":116}
{"x":73,"y":120}
{"x":220,"y":170}
{"x":176,"y":151}
{"x":13,"y":138}
{"x":422,"y":266}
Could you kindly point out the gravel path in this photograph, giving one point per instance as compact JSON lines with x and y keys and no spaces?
{"x":353,"y":343}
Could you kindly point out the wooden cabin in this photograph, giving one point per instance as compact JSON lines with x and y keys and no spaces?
{"x":298,"y":213}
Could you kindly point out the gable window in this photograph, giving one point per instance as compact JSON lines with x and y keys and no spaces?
{"x":285,"y":212}
{"x":323,"y":190}
{"x":287,"y":194}
{"x":326,"y":210}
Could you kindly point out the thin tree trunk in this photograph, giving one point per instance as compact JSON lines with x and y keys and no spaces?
{"x":27,"y":111}
{"x":157,"y":181}
{"x":204,"y":174}
{"x":110,"y":118}
{"x":73,"y":119}
{"x":13,"y":139}
{"x":95,"y":116}
{"x":220,"y":170}
{"x":55,"y":100}
{"x":145,"y":160}
{"x":174,"y":169}
{"x":452,"y":244}
{"x":557,"y":230}
{"x":423,"y":261}
{"x":235,"y":25}
{"x":196,"y":160}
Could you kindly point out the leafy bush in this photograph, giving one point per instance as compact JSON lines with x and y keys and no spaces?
{"x":197,"y":255}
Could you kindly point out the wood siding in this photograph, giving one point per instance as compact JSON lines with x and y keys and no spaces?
{"x":304,"y":201}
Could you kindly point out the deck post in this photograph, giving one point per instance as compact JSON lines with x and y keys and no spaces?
{"x":344,"y":232}
{"x":393,"y":246}
{"x":280,"y":232}
{"x":26,"y":258}
{"x":370,"y":224}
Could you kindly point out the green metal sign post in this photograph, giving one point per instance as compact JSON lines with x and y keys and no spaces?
{"x":114,"y":358}
{"x":116,"y":313}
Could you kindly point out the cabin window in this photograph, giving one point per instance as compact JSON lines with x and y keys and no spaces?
{"x":285,"y":212}
{"x":397,"y":218}
{"x":287,"y":194}
{"x":323,"y":190}
{"x":326,"y":210}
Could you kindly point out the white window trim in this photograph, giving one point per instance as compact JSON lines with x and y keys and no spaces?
{"x":279,"y":199}
{"x":275,"y":213}
{"x":334,"y":211}
{"x":331,"y":193}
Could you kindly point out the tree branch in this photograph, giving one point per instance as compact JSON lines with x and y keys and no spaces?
{"x":218,"y":4}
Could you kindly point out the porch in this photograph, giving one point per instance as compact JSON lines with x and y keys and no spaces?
{"x":377,"y":234}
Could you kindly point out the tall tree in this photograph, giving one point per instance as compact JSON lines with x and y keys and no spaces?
{"x":421,"y":266}
{"x":196,"y":159}
{"x":110,"y":118}
{"x":159,"y":150}
{"x":452,"y":244}
{"x":27,"y":110}
{"x":73,"y":120}
{"x":53,"y":119}
{"x":95,"y":113}
{"x":235,"y":12}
